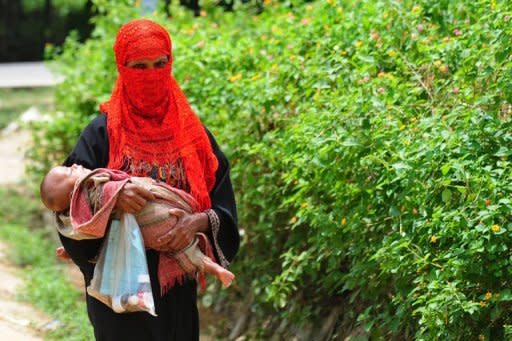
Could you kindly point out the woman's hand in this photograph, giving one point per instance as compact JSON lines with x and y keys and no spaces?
{"x":132,"y":198}
{"x":183,"y":233}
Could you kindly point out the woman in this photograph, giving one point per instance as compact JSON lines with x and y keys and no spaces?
{"x":147,"y":128}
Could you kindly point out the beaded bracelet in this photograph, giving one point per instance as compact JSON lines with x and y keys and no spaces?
{"x":214,"y":221}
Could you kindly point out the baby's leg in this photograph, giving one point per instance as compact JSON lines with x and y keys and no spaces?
{"x":225,"y":276}
{"x":205,"y":264}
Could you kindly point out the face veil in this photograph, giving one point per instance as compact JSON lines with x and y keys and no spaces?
{"x":150,"y":123}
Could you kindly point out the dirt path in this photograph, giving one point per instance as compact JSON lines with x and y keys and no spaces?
{"x":18,"y":321}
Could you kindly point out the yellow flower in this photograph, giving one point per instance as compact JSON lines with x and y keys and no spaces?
{"x":444,"y":68}
{"x":344,"y":221}
{"x":495,"y":228}
{"x":437,"y":63}
{"x":235,"y":77}
{"x":304,"y":205}
{"x":416,"y":9}
{"x":446,"y":39}
{"x":392,"y":53}
{"x":488,"y":295}
{"x":483,"y":304}
{"x":343,"y":53}
{"x":255,"y":77}
{"x":433,"y":239}
{"x":481,"y":337}
{"x":267,"y":2}
{"x":358,"y":44}
{"x":293,"y":220}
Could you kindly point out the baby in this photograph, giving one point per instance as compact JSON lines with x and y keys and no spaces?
{"x":90,"y":197}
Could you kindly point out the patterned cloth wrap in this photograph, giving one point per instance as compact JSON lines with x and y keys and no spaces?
{"x":92,"y":206}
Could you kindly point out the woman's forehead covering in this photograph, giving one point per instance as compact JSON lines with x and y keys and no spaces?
{"x":141,"y":39}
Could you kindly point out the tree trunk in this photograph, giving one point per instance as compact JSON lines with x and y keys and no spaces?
{"x":47,"y":15}
{"x":10,"y":13}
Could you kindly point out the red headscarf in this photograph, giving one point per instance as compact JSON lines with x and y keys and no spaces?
{"x":149,"y":121}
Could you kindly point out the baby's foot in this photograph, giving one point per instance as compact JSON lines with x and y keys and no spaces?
{"x":61,"y":253}
{"x":226,"y":277}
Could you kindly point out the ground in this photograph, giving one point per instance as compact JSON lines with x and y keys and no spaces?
{"x":18,"y":321}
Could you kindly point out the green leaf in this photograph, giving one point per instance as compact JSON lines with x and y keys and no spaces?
{"x":446,"y":195}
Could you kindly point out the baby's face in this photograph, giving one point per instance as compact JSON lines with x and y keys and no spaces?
{"x":63,"y":180}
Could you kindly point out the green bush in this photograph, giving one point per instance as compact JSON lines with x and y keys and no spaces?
{"x":369,"y":144}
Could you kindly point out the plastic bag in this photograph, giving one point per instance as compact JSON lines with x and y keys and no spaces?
{"x":121,"y":277}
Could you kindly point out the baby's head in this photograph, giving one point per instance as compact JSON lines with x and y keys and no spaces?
{"x":57,"y":186}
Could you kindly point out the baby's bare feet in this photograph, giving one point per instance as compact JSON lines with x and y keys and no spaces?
{"x":226,"y":277}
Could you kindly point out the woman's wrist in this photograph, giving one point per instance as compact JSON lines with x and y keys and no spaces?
{"x":202,"y":223}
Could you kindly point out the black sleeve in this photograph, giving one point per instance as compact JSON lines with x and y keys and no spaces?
{"x":90,"y":151}
{"x":223,"y":203}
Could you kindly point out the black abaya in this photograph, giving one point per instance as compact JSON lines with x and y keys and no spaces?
{"x":177,"y":310}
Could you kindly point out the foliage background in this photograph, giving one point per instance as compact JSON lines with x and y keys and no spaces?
{"x":370,"y":151}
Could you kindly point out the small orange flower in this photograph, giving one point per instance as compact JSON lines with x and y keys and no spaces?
{"x":344,"y":221}
{"x":293,"y":220}
{"x":305,"y":21}
{"x":488,"y":295}
{"x":433,"y":239}
{"x":483,"y":304}
{"x":236,"y":77}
